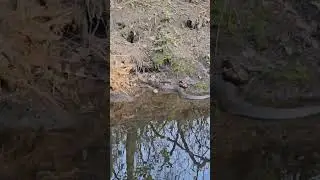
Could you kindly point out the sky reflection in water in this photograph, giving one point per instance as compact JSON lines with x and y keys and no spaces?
{"x":162,"y":150}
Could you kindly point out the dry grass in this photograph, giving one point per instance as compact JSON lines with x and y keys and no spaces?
{"x":31,"y":48}
{"x":31,"y":44}
{"x":121,"y":79}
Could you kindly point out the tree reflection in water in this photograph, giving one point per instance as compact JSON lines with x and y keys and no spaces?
{"x":167,"y":149}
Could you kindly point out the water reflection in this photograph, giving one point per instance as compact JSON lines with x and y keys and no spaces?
{"x":163,"y":149}
{"x":27,"y":153}
{"x":249,"y":149}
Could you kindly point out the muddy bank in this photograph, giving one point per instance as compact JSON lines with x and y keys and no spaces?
{"x":279,"y":39}
{"x":150,"y":37}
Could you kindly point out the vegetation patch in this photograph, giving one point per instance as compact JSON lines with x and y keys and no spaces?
{"x":298,"y":74}
{"x":201,"y":86}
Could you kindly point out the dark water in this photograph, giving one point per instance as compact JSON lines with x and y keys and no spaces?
{"x":165,"y":148}
{"x":255,"y":150}
{"x":76,"y":152}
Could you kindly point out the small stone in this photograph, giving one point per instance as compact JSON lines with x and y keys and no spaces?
{"x":155,"y":91}
{"x":183,"y":84}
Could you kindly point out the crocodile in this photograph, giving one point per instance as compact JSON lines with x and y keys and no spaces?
{"x":230,"y":101}
{"x":173,"y":88}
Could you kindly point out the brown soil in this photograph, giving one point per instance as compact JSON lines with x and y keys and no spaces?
{"x":162,"y":40}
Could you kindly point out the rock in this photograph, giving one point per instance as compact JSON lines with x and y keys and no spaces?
{"x":155,"y":91}
{"x":183,"y":84}
{"x":234,"y":73}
